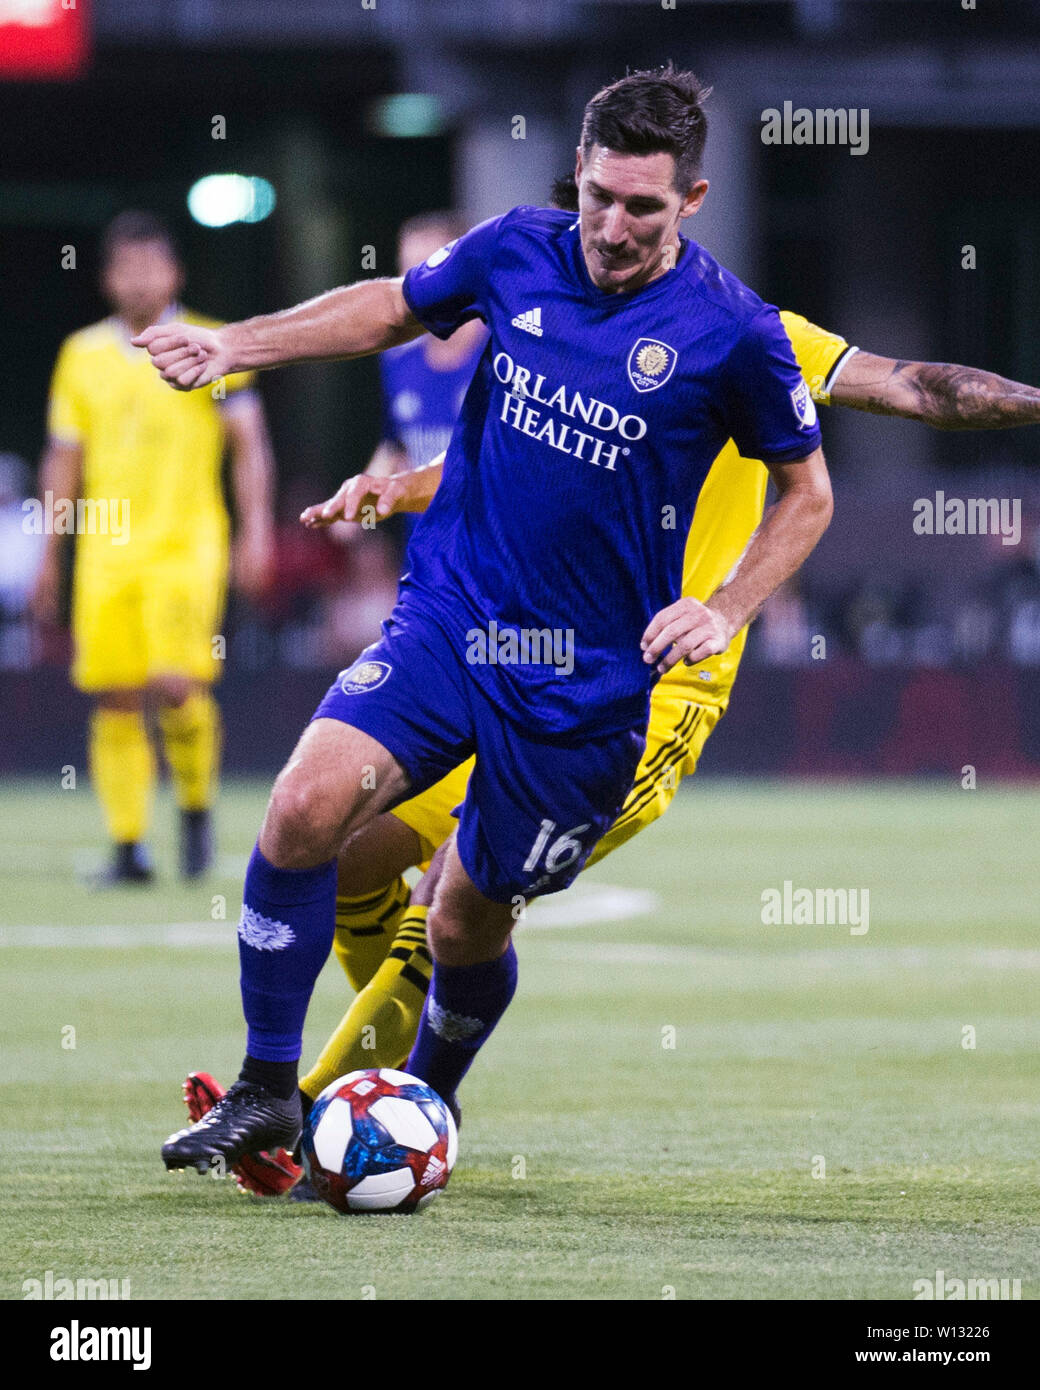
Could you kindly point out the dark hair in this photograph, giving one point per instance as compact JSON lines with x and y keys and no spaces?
{"x":134,"y":226}
{"x":655,"y":110}
{"x":446,"y":223}
{"x":564,"y":193}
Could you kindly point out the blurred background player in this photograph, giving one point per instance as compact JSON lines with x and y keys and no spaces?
{"x":147,"y":602}
{"x":424,"y":381}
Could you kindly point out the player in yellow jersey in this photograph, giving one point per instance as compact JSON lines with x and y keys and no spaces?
{"x":380,"y":926}
{"x":134,"y":471}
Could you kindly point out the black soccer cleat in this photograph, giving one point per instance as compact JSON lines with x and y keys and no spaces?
{"x":265,"y":1174}
{"x":131,"y":864}
{"x":196,"y":843}
{"x":246,"y":1119}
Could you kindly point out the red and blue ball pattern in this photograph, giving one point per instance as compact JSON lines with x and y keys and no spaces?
{"x":379,"y":1140}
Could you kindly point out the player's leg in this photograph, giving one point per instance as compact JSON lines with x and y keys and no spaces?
{"x":381,"y":943}
{"x":366,"y":926}
{"x":288,"y":913}
{"x":285,"y":933}
{"x":380,"y":1026}
{"x":182,"y":602}
{"x":533,"y":812}
{"x":189,"y":721}
{"x":367,"y":947}
{"x":473,"y":978}
{"x":383,"y":949}
{"x":108,"y":666}
{"x":677,"y":732}
{"x":398,"y":717}
{"x":122,"y":770}
{"x":371,"y":894}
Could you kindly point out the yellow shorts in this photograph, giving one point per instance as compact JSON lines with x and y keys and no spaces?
{"x":132,"y":623}
{"x":677,"y":732}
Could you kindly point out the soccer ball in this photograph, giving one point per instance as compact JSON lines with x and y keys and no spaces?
{"x":379,"y":1140}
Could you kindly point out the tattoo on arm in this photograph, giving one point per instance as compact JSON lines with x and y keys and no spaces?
{"x":942,"y":394}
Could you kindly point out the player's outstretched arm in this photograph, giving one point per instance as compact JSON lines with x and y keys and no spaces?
{"x":411,"y":491}
{"x":349,"y":322}
{"x":691,"y":631}
{"x":942,"y":394}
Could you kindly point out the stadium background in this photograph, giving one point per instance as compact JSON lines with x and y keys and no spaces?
{"x":360,"y":117}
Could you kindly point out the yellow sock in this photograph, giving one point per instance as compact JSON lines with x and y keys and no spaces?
{"x":365,"y":930}
{"x":380,"y":1026}
{"x":122,"y":768}
{"x":191,"y":741}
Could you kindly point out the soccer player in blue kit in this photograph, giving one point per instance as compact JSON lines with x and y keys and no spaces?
{"x":424,"y":382}
{"x":621,"y":357}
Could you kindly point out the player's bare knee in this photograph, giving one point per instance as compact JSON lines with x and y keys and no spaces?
{"x":462,"y":937}
{"x":301,"y":828}
{"x":446,"y":935}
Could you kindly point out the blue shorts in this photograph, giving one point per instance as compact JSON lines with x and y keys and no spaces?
{"x":535,"y":806}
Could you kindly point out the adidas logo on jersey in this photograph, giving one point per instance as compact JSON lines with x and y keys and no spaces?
{"x":530,"y":322}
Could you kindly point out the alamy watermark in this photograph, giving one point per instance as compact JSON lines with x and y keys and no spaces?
{"x":82,"y":1343}
{"x":844,"y":125}
{"x":817,"y":907}
{"x":524,"y":646}
{"x":945,"y":1287}
{"x":971,"y":516}
{"x":77,"y":516}
{"x":55,"y":1286}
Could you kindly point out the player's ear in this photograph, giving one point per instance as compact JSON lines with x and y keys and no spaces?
{"x":691,"y":203}
{"x":577,"y":165}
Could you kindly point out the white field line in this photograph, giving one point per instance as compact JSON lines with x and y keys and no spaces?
{"x":584,"y":905}
{"x":803,"y":967}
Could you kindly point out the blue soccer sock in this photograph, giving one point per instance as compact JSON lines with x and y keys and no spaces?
{"x":284,"y":939}
{"x":463,"y":1006}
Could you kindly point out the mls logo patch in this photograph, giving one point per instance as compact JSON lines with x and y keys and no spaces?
{"x":650,"y":364}
{"x":439,"y":257}
{"x":366,"y":675}
{"x":804,"y":407}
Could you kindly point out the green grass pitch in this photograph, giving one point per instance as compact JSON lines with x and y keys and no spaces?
{"x":597,"y":1160}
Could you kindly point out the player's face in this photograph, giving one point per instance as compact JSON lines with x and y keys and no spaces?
{"x":140,"y":279}
{"x":630,"y":214}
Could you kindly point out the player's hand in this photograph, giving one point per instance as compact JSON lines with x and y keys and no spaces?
{"x":186,"y":354}
{"x":252,"y":563}
{"x":366,"y":497}
{"x":686,"y":630}
{"x":45,"y":599}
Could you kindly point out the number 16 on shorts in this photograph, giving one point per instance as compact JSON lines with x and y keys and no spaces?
{"x":561,"y":854}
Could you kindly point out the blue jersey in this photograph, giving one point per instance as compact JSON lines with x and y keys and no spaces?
{"x":559,"y":527}
{"x":421,"y":403}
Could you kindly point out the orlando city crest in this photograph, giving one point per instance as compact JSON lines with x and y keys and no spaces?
{"x":366,"y":675}
{"x":650,"y":364}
